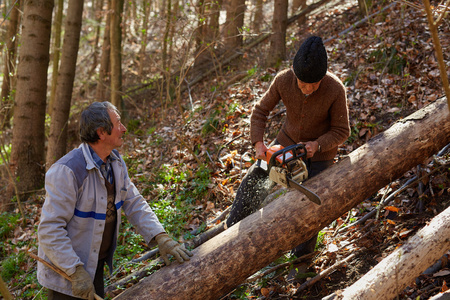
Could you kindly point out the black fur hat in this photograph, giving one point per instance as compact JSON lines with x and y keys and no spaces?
{"x":310,"y":62}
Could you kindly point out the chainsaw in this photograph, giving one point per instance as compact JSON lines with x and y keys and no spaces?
{"x":286,"y":167}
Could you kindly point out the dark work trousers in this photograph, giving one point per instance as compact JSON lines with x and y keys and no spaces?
{"x":255,"y":187}
{"x":99,"y":286}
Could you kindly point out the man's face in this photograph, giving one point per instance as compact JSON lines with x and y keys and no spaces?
{"x":114,"y":140}
{"x":308,"y":88}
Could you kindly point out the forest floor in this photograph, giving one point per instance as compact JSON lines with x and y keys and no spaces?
{"x":390,"y":71}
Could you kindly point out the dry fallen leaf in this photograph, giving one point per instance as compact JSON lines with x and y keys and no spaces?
{"x":444,"y":287}
{"x":392,"y":208}
{"x":265,"y":292}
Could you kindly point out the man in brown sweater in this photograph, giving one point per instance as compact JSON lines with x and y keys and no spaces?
{"x":316,"y":116}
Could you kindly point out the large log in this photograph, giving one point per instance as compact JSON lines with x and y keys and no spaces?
{"x":226,"y":260}
{"x":388,"y":278}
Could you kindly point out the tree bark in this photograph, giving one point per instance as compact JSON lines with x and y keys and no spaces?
{"x":258,"y":15}
{"x":201,"y":38}
{"x":116,"y":52}
{"x":207,"y":34}
{"x":56,"y":53}
{"x":226,"y":260}
{"x":389,"y":278}
{"x":27,"y":153}
{"x":146,"y":4}
{"x":277,"y":51}
{"x":10,"y":65}
{"x":234,"y":24}
{"x":57,"y":139}
{"x":105,"y":65}
{"x":97,"y":7}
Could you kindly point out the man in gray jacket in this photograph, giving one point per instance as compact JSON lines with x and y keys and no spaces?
{"x":86,"y":191}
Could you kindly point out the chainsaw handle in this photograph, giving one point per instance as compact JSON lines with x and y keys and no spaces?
{"x":297,"y":151}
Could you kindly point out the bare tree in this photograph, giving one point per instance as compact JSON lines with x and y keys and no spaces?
{"x":27,"y":152}
{"x":116,"y":52}
{"x":234,"y":24}
{"x":258,"y":15}
{"x":57,"y":139}
{"x":98,"y":14}
{"x":57,"y":24}
{"x":277,"y":51}
{"x":10,"y":64}
{"x":207,"y":32}
{"x":105,"y":63}
{"x":165,"y":51}
{"x":434,"y":24}
{"x":146,"y":4}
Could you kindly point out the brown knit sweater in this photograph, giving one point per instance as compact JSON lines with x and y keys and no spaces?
{"x":322,"y":116}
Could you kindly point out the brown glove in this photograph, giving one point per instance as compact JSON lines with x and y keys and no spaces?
{"x":82,"y":284}
{"x":168,"y":246}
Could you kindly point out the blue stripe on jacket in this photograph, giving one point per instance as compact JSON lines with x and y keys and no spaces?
{"x":119,"y":205}
{"x":93,"y":214}
{"x":89,"y":214}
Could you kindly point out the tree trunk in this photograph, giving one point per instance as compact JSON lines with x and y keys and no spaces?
{"x":207,"y":33}
{"x":116,"y":53}
{"x":389,"y":278}
{"x":226,"y":260}
{"x":146,"y":4}
{"x":362,"y":5}
{"x":165,"y":41}
{"x":57,"y":139}
{"x":213,"y":19}
{"x":10,"y":65}
{"x":170,"y":86}
{"x":258,"y":15}
{"x":234,"y":24}
{"x":277,"y":51}
{"x":27,"y":153}
{"x":56,"y":53}
{"x":201,"y":33}
{"x":98,"y":15}
{"x":105,"y":66}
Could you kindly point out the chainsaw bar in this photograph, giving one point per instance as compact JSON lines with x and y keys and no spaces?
{"x":308,"y":193}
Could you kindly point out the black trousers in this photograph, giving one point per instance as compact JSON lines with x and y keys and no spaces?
{"x":255,"y":187}
{"x":99,"y":285}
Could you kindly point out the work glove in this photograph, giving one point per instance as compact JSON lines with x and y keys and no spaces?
{"x":168,"y":246}
{"x":82,"y":284}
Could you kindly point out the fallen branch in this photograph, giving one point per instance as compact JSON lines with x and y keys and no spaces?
{"x":325,"y":273}
{"x":57,"y":270}
{"x":283,"y":265}
{"x":358,"y":23}
{"x":189,"y":149}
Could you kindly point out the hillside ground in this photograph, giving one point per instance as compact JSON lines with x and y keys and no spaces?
{"x":191,"y":163}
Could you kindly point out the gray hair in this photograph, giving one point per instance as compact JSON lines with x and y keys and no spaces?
{"x":96,"y":116}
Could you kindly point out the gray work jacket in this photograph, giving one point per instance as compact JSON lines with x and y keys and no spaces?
{"x":73,"y":215}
